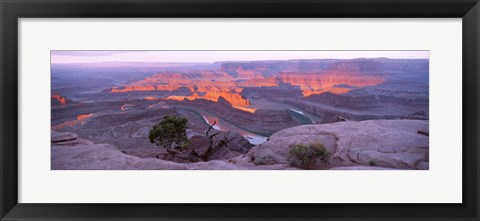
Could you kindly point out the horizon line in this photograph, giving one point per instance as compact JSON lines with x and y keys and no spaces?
{"x":239,"y":61}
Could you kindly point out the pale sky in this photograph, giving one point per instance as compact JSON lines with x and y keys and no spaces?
{"x":213,"y":56}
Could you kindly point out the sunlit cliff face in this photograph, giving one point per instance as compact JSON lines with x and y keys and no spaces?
{"x":194,"y":85}
{"x":235,"y":99}
{"x":150,"y":98}
{"x":246,"y":109}
{"x":332,"y":82}
{"x":59,"y":98}
{"x":80,"y":120}
{"x":209,"y":85}
{"x":83,"y":116}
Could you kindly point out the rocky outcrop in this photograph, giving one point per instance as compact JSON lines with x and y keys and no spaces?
{"x":67,"y":138}
{"x":233,"y":98}
{"x":104,"y":157}
{"x":57,"y":137}
{"x":365,"y":145}
{"x":126,"y":129}
{"x":90,"y":156}
{"x":320,"y":83}
{"x":384,"y":143}
{"x":231,"y":144}
{"x":61,"y":99}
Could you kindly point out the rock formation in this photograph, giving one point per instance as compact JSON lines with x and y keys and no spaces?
{"x":387,"y":143}
{"x":310,"y":77}
{"x":80,"y":154}
{"x":368,"y":113}
{"x":365,"y":145}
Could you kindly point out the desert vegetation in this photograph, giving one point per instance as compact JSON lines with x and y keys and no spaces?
{"x":170,"y":133}
{"x":307,"y":156}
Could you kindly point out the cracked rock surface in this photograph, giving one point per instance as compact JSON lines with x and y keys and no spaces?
{"x":382,"y":143}
{"x":69,"y":152}
{"x":363,"y":145}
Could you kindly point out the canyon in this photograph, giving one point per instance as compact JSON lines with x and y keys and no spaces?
{"x":116,"y":104}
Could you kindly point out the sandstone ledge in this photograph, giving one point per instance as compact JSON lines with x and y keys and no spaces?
{"x":389,"y":144}
{"x":385,"y":143}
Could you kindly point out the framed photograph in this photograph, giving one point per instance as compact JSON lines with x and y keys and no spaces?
{"x":227,"y":110}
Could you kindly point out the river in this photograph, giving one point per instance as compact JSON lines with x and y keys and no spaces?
{"x":222,"y":125}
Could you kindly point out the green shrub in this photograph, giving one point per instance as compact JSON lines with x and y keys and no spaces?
{"x":320,"y":150}
{"x":264,"y":160}
{"x":259,"y":161}
{"x":171,"y":132}
{"x":372,"y":163}
{"x":306,"y":156}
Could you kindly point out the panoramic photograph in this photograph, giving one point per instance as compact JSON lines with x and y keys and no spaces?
{"x":239,"y":110}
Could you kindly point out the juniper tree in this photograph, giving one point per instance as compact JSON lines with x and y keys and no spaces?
{"x":170,"y":133}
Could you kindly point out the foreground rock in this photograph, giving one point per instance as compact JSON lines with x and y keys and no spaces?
{"x":103,"y":157}
{"x":236,"y":146}
{"x":67,"y":138}
{"x":365,"y":145}
{"x":57,"y":137}
{"x":81,"y":154}
{"x":383,"y":143}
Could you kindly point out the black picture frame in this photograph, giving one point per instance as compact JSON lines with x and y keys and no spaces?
{"x":12,"y":10}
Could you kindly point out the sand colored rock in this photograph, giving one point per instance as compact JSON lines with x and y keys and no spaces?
{"x":62,"y":137}
{"x":104,"y":157}
{"x":107,"y":157}
{"x":386,"y":143}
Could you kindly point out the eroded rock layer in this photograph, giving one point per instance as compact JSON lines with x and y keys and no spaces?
{"x":370,"y":145}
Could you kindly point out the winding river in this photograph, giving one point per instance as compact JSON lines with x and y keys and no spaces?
{"x":222,"y":125}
